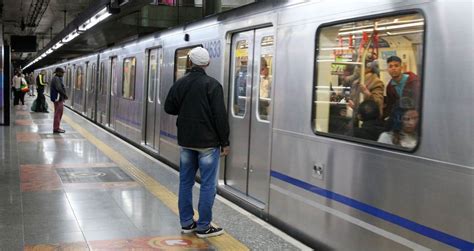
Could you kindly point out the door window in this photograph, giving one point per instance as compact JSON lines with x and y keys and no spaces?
{"x":113,"y":76}
{"x":266,"y":72}
{"x":152,"y":74}
{"x":240,"y":74}
{"x":79,"y":78}
{"x":128,"y":83}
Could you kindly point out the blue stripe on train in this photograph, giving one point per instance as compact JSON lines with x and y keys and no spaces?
{"x":379,"y":213}
{"x":169,"y":135}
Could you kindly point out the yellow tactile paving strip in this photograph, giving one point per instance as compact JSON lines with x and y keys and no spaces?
{"x":223,"y":242}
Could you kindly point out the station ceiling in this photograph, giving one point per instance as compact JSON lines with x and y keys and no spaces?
{"x":52,"y":20}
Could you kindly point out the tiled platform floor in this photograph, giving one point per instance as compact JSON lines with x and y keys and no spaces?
{"x":66,"y":192}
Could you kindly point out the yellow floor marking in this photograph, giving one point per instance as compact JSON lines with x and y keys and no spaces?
{"x":223,"y":242}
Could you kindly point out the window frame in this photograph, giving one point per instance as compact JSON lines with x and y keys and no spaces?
{"x":421,"y":79}
{"x":132,"y":94}
{"x":176,"y":57}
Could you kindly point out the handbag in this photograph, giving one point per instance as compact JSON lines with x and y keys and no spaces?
{"x":24,"y":86}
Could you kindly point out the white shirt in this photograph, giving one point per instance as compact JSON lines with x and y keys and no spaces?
{"x":17,"y":81}
{"x":407,"y":141}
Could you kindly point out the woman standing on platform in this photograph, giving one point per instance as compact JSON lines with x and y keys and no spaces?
{"x":17,"y":83}
{"x":40,"y":105}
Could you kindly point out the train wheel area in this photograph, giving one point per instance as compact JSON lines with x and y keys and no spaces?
{"x":85,"y":189}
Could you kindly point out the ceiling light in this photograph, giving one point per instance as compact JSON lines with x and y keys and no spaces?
{"x":57,"y":45}
{"x":70,"y":37}
{"x":97,"y":18}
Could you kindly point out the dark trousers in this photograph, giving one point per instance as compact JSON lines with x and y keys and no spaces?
{"x":19,"y":96}
{"x":58,"y":114}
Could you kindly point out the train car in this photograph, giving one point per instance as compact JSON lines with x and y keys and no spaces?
{"x":295,"y":76}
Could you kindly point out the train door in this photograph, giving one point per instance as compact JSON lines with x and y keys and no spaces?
{"x":248,"y":165}
{"x":113,"y":92}
{"x":85,"y":77}
{"x":153,"y":104}
{"x":102,"y":96}
{"x":68,"y":85}
{"x":91,"y":91}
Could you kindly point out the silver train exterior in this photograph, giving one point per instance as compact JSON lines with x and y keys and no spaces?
{"x":331,"y":192}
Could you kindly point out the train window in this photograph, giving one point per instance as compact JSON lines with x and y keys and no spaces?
{"x":367,"y":84}
{"x":240,"y":80}
{"x":152,"y":74}
{"x":113,"y":76}
{"x":128,"y":83}
{"x":266,"y":73}
{"x":182,"y":62}
{"x":102,"y":79}
{"x":79,"y":78}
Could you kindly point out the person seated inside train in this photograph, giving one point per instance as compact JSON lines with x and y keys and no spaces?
{"x":338,"y":122}
{"x":372,"y":126}
{"x":402,"y":84}
{"x":404,"y":131}
{"x":265,"y":88}
{"x":240,"y":88}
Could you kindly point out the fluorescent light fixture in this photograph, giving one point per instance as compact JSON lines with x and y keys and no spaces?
{"x":57,"y":45}
{"x":70,"y":37}
{"x":97,"y":18}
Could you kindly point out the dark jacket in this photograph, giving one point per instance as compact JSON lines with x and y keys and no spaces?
{"x":198,"y":100}
{"x":370,"y":130}
{"x":411,"y":90}
{"x":57,"y":88}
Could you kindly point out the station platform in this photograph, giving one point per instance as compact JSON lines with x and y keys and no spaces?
{"x":86,"y":189}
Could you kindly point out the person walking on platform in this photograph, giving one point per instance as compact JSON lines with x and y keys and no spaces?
{"x":58,"y":95}
{"x":203,"y":134}
{"x":40,"y":105}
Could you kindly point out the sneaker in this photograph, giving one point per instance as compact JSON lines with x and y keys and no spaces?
{"x":189,"y":229}
{"x":211,"y":231}
{"x":59,"y":131}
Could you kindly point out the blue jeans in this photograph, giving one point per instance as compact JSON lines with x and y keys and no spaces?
{"x":208,"y":163}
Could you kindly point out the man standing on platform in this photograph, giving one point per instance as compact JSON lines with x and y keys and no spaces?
{"x":58,"y":95}
{"x":203,"y":134}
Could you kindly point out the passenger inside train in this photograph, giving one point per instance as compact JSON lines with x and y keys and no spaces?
{"x":404,"y":128}
{"x":369,"y":115}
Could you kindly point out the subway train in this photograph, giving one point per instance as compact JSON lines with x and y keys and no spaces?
{"x":290,"y":72}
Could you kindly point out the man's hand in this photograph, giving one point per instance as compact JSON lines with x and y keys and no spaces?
{"x":225,"y":150}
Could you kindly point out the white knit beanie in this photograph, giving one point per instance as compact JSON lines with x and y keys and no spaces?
{"x":199,"y":56}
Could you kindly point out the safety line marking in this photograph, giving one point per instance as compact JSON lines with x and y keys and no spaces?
{"x":223,"y":242}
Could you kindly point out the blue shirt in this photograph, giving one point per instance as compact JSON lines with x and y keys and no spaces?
{"x":400,"y":86}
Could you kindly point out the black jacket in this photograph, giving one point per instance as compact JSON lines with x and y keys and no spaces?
{"x":370,"y":130}
{"x":198,"y":100}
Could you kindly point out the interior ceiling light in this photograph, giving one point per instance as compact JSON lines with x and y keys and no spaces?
{"x":391,"y":27}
